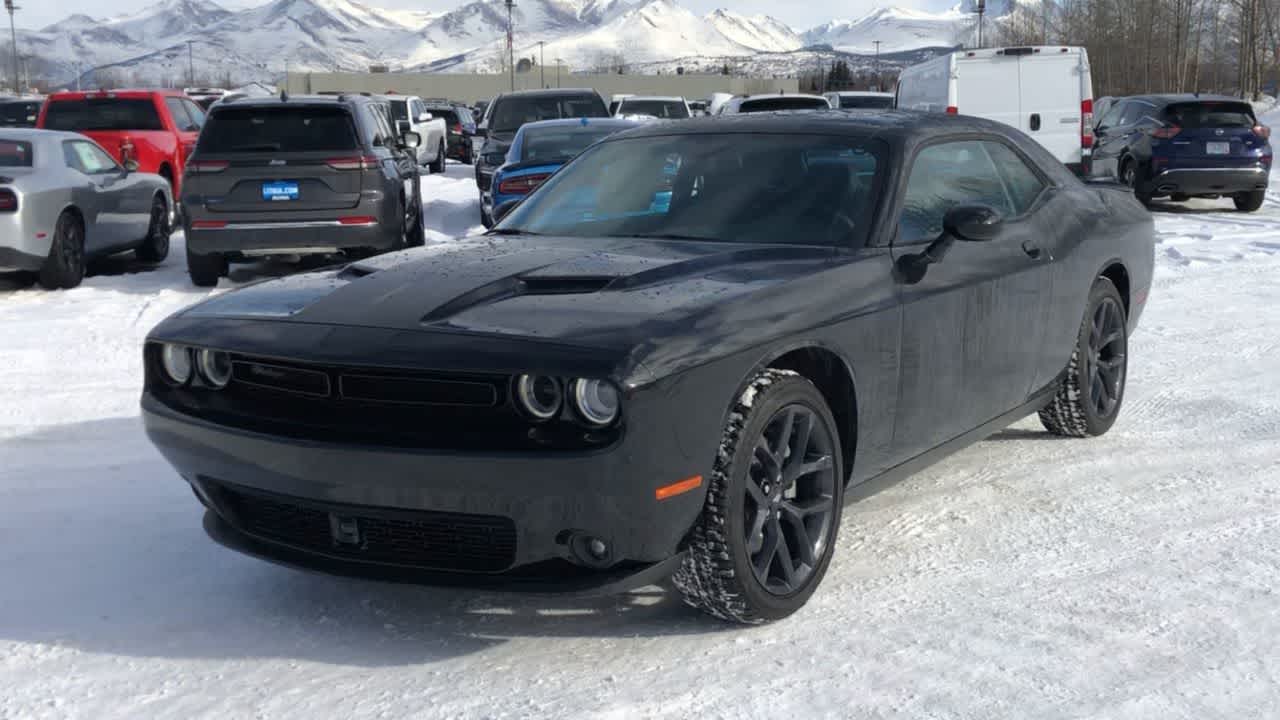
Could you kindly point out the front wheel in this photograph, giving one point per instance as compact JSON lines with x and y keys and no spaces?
{"x":768,"y":528}
{"x":1089,"y":398}
{"x":1250,"y":201}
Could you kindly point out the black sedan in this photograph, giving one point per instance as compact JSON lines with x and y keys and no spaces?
{"x":680,"y":355}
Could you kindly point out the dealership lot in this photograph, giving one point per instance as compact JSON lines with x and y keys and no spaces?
{"x":1133,"y":576}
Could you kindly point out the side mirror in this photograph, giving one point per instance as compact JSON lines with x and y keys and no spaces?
{"x":402,"y":127}
{"x":130,"y":165}
{"x":503,"y":209}
{"x":410,"y":140}
{"x":423,"y":117}
{"x":964,"y":223}
{"x":972,"y":223}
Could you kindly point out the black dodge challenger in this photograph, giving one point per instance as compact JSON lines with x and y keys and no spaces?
{"x":680,"y":356}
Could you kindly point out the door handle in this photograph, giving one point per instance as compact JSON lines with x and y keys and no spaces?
{"x":1035,"y":121}
{"x":1032,"y":251}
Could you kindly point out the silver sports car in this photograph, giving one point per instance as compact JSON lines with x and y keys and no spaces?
{"x":64,"y":200}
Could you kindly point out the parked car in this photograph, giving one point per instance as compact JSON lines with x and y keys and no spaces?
{"x":698,"y":107}
{"x":204,"y":97}
{"x":20,"y":112}
{"x":663,"y":108}
{"x":860,"y":100}
{"x":661,"y":363}
{"x":460,"y":127}
{"x":410,"y":114}
{"x":299,"y":176}
{"x":1185,"y":146}
{"x":616,"y":100}
{"x":64,"y":200}
{"x":774,"y":103}
{"x":509,"y":111}
{"x":154,"y":128}
{"x":1046,"y":92}
{"x":537,"y":152}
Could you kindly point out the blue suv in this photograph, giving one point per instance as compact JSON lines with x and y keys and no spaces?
{"x":1185,"y":146}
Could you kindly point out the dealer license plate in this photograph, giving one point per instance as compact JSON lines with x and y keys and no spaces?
{"x":280,"y":191}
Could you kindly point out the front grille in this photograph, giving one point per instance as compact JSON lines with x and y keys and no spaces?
{"x":413,"y":539}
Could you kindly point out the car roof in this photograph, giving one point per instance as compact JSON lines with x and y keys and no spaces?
{"x":1170,"y":99}
{"x":548,"y":93}
{"x":606,"y":123}
{"x":861,"y":93}
{"x":664,"y":98}
{"x":35,"y":134}
{"x":773,"y":96}
{"x":308,"y":100}
{"x":130,"y":93}
{"x":891,"y":125}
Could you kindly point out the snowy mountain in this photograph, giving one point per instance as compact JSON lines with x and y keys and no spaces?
{"x":258,"y":43}
{"x":895,"y":28}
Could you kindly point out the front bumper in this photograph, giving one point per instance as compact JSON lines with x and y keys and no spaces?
{"x":290,"y":237}
{"x":1209,"y":181}
{"x":538,"y":509}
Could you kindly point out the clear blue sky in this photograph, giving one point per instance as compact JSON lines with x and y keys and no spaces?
{"x":801,"y":14}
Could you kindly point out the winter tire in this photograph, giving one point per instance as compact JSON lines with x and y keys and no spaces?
{"x":1089,"y":399}
{"x":64,"y":266}
{"x":1131,"y":175}
{"x":155,"y":246}
{"x":768,"y":529}
{"x":1249,"y":201}
{"x":205,"y":270}
{"x":437,"y":165}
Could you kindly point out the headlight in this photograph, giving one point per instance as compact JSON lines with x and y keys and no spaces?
{"x":176,"y":362}
{"x":215,"y":367}
{"x":596,"y":401}
{"x":539,"y":396}
{"x":496,"y":158}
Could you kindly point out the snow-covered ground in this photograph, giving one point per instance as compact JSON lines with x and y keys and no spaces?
{"x":1133,"y":576}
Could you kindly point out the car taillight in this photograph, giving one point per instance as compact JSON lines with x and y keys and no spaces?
{"x":457,"y":128}
{"x":521,"y":185}
{"x":953,"y":110}
{"x":1164,"y":133}
{"x":1262,"y":131}
{"x":8,"y":201}
{"x":1086,"y":124}
{"x":208,"y":224}
{"x":358,"y":220}
{"x":207,"y":166}
{"x":356,"y":162}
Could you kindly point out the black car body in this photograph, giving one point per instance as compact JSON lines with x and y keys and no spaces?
{"x":297,"y":175}
{"x":379,"y":421}
{"x":1184,"y":146}
{"x":504,"y":116}
{"x":460,"y":127}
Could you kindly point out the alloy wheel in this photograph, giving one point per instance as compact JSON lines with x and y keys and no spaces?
{"x":70,"y":246}
{"x":790,"y":489}
{"x":1105,"y":362}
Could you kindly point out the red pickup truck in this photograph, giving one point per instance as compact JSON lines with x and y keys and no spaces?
{"x":157,"y":129}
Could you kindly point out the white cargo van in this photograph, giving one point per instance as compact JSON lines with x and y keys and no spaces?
{"x":1046,"y":92}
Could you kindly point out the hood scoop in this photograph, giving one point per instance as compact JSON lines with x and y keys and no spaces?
{"x":356,"y":271}
{"x":512,"y":287}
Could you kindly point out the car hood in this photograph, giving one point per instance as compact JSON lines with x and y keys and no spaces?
{"x":591,"y":292}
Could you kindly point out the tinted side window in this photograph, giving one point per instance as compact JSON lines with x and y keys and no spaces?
{"x":380,"y":122}
{"x":1023,"y":184}
{"x":181,"y":120}
{"x":196,"y":113}
{"x":1133,"y":111}
{"x":944,"y":176}
{"x":1112,"y":118}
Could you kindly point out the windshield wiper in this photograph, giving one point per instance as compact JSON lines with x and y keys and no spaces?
{"x":510,"y":231}
{"x":676,"y":236}
{"x":261,"y":147}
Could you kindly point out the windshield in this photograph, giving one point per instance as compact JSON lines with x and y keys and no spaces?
{"x":399,"y":110}
{"x":1211,"y":115}
{"x":666,"y":109}
{"x":795,"y":189}
{"x":19,"y":114}
{"x":866,"y":102}
{"x":295,"y":128}
{"x":560,"y":145}
{"x":15,"y":153}
{"x":103,"y":114}
{"x":512,"y":112}
{"x":783,"y":102}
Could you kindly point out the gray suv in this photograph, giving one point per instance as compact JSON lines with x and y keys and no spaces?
{"x":298,"y":176}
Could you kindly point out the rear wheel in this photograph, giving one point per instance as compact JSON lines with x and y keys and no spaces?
{"x":1089,"y":399}
{"x":205,"y":270}
{"x":1249,"y":201}
{"x":1131,"y":175}
{"x":437,"y":166}
{"x":155,"y":246}
{"x":64,"y":266}
{"x":768,"y":528}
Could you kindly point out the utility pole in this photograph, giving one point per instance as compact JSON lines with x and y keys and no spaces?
{"x":559,"y":64}
{"x":77,"y":76}
{"x":286,"y":73}
{"x":877,"y":65}
{"x":511,"y":46}
{"x":191,"y":66}
{"x":13,"y":30}
{"x":980,"y":7}
{"x":542,"y":62}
